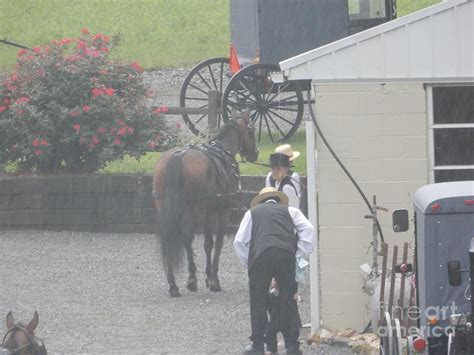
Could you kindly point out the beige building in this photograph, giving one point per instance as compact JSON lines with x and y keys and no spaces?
{"x":396,"y":103}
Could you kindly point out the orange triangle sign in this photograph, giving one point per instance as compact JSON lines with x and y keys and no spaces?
{"x":233,"y":60}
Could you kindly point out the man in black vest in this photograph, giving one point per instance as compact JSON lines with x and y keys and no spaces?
{"x":268,"y":244}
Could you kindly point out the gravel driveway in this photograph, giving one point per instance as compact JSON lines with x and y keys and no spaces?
{"x":107,"y":294}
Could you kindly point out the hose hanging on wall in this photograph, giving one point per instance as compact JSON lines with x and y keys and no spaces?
{"x":318,"y":129}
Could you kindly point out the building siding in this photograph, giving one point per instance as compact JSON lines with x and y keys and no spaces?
{"x":380,"y":134}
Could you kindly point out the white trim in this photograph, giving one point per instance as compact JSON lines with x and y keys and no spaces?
{"x":430,"y":132}
{"x":452,"y":125}
{"x":454,"y":167}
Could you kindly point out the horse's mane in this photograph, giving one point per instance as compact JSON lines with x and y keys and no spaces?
{"x":223,"y":131}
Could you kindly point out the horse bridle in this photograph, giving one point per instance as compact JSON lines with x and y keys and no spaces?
{"x":249,"y":127}
{"x":33,"y":341}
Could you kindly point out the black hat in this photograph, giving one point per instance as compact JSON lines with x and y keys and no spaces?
{"x":279,"y":159}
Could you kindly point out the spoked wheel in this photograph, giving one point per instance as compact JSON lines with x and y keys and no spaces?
{"x":211,"y":74}
{"x":276,"y":109}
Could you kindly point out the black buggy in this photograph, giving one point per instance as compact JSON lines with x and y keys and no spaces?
{"x":263,"y":33}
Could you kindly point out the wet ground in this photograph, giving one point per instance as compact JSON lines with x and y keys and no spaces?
{"x":106,"y":294}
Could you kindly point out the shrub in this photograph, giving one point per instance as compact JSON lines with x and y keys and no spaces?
{"x":68,"y":107}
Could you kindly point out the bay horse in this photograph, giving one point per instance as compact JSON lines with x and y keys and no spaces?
{"x":20,"y":339}
{"x":193,"y":189}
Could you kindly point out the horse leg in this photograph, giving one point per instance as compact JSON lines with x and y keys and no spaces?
{"x":214,"y":284}
{"x":174,"y":290}
{"x":192,"y":281}
{"x":208,"y":245}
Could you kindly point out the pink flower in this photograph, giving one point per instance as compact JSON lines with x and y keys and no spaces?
{"x":136,"y":65}
{"x":86,"y":108}
{"x":178,"y":125}
{"x":44,"y":142}
{"x":22,"y":52}
{"x":38,"y":152}
{"x":102,"y":130}
{"x":116,"y":141}
{"x":2,"y":108}
{"x":120,"y":122}
{"x":129,"y":130}
{"x":76,"y":127}
{"x":97,"y":92}
{"x":35,"y":142}
{"x":95,"y":140}
{"x":109,"y":92}
{"x":151,"y":145}
{"x":122,"y":131}
{"x":37,"y":50}
{"x":65,"y":41}
{"x":74,"y":113}
{"x":82,"y":140}
{"x":6,"y":101}
{"x":85,"y":31}
{"x":22,"y":100}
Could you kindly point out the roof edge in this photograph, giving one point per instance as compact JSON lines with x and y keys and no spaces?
{"x":369,"y":33}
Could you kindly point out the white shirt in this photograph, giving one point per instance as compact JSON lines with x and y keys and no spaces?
{"x":293,"y":197}
{"x":303,"y":227}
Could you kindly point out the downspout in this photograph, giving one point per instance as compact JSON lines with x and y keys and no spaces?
{"x":315,"y":287}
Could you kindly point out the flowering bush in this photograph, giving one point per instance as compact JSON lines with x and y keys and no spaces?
{"x":68,"y":107}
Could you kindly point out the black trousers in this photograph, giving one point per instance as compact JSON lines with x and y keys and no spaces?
{"x":279,"y":264}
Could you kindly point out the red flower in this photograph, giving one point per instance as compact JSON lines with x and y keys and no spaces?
{"x":74,"y":113}
{"x":86,"y":108}
{"x":22,"y":100}
{"x":129,"y":130}
{"x":109,"y":92}
{"x":151,"y":145}
{"x":36,"y":142}
{"x":65,"y":41}
{"x":44,"y":142}
{"x":95,"y":140}
{"x":22,"y":52}
{"x":2,"y":108}
{"x":76,"y":127}
{"x":136,"y":65}
{"x":6,"y":101}
{"x":37,"y":50}
{"x":122,"y":131}
{"x":102,"y":130}
{"x":117,"y":141}
{"x":120,"y":122}
{"x":38,"y":152}
{"x":178,"y":125}
{"x":85,"y":31}
{"x":97,"y":92}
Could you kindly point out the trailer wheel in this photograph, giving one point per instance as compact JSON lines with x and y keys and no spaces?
{"x":211,"y":74}
{"x":275,"y":108}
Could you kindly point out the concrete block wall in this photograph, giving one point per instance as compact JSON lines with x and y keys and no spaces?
{"x":96,"y":203}
{"x":380,"y":134}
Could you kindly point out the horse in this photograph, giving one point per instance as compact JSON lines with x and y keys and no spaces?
{"x":20,"y":339}
{"x":193,"y":189}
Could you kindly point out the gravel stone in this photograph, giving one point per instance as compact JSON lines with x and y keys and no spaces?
{"x":107,"y":294}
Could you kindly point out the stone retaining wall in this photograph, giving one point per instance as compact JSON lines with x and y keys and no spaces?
{"x":97,"y":203}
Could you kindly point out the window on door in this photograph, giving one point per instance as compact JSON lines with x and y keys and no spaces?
{"x":452,"y":133}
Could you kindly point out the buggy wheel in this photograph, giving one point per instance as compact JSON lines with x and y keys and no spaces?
{"x":276,"y":109}
{"x":211,"y":74}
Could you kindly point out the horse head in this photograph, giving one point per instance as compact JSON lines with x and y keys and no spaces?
{"x":20,"y":339}
{"x":248,"y":146}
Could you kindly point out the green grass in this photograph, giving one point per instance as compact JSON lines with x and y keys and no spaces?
{"x":147,"y":162}
{"x":157,"y":33}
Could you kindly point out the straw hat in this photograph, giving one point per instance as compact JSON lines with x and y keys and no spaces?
{"x":287,"y":150}
{"x":268,"y":192}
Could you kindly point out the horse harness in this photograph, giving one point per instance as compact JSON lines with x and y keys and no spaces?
{"x":225,"y":165}
{"x":36,"y":343}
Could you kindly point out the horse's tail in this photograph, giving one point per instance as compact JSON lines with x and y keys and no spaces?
{"x":171,"y":214}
